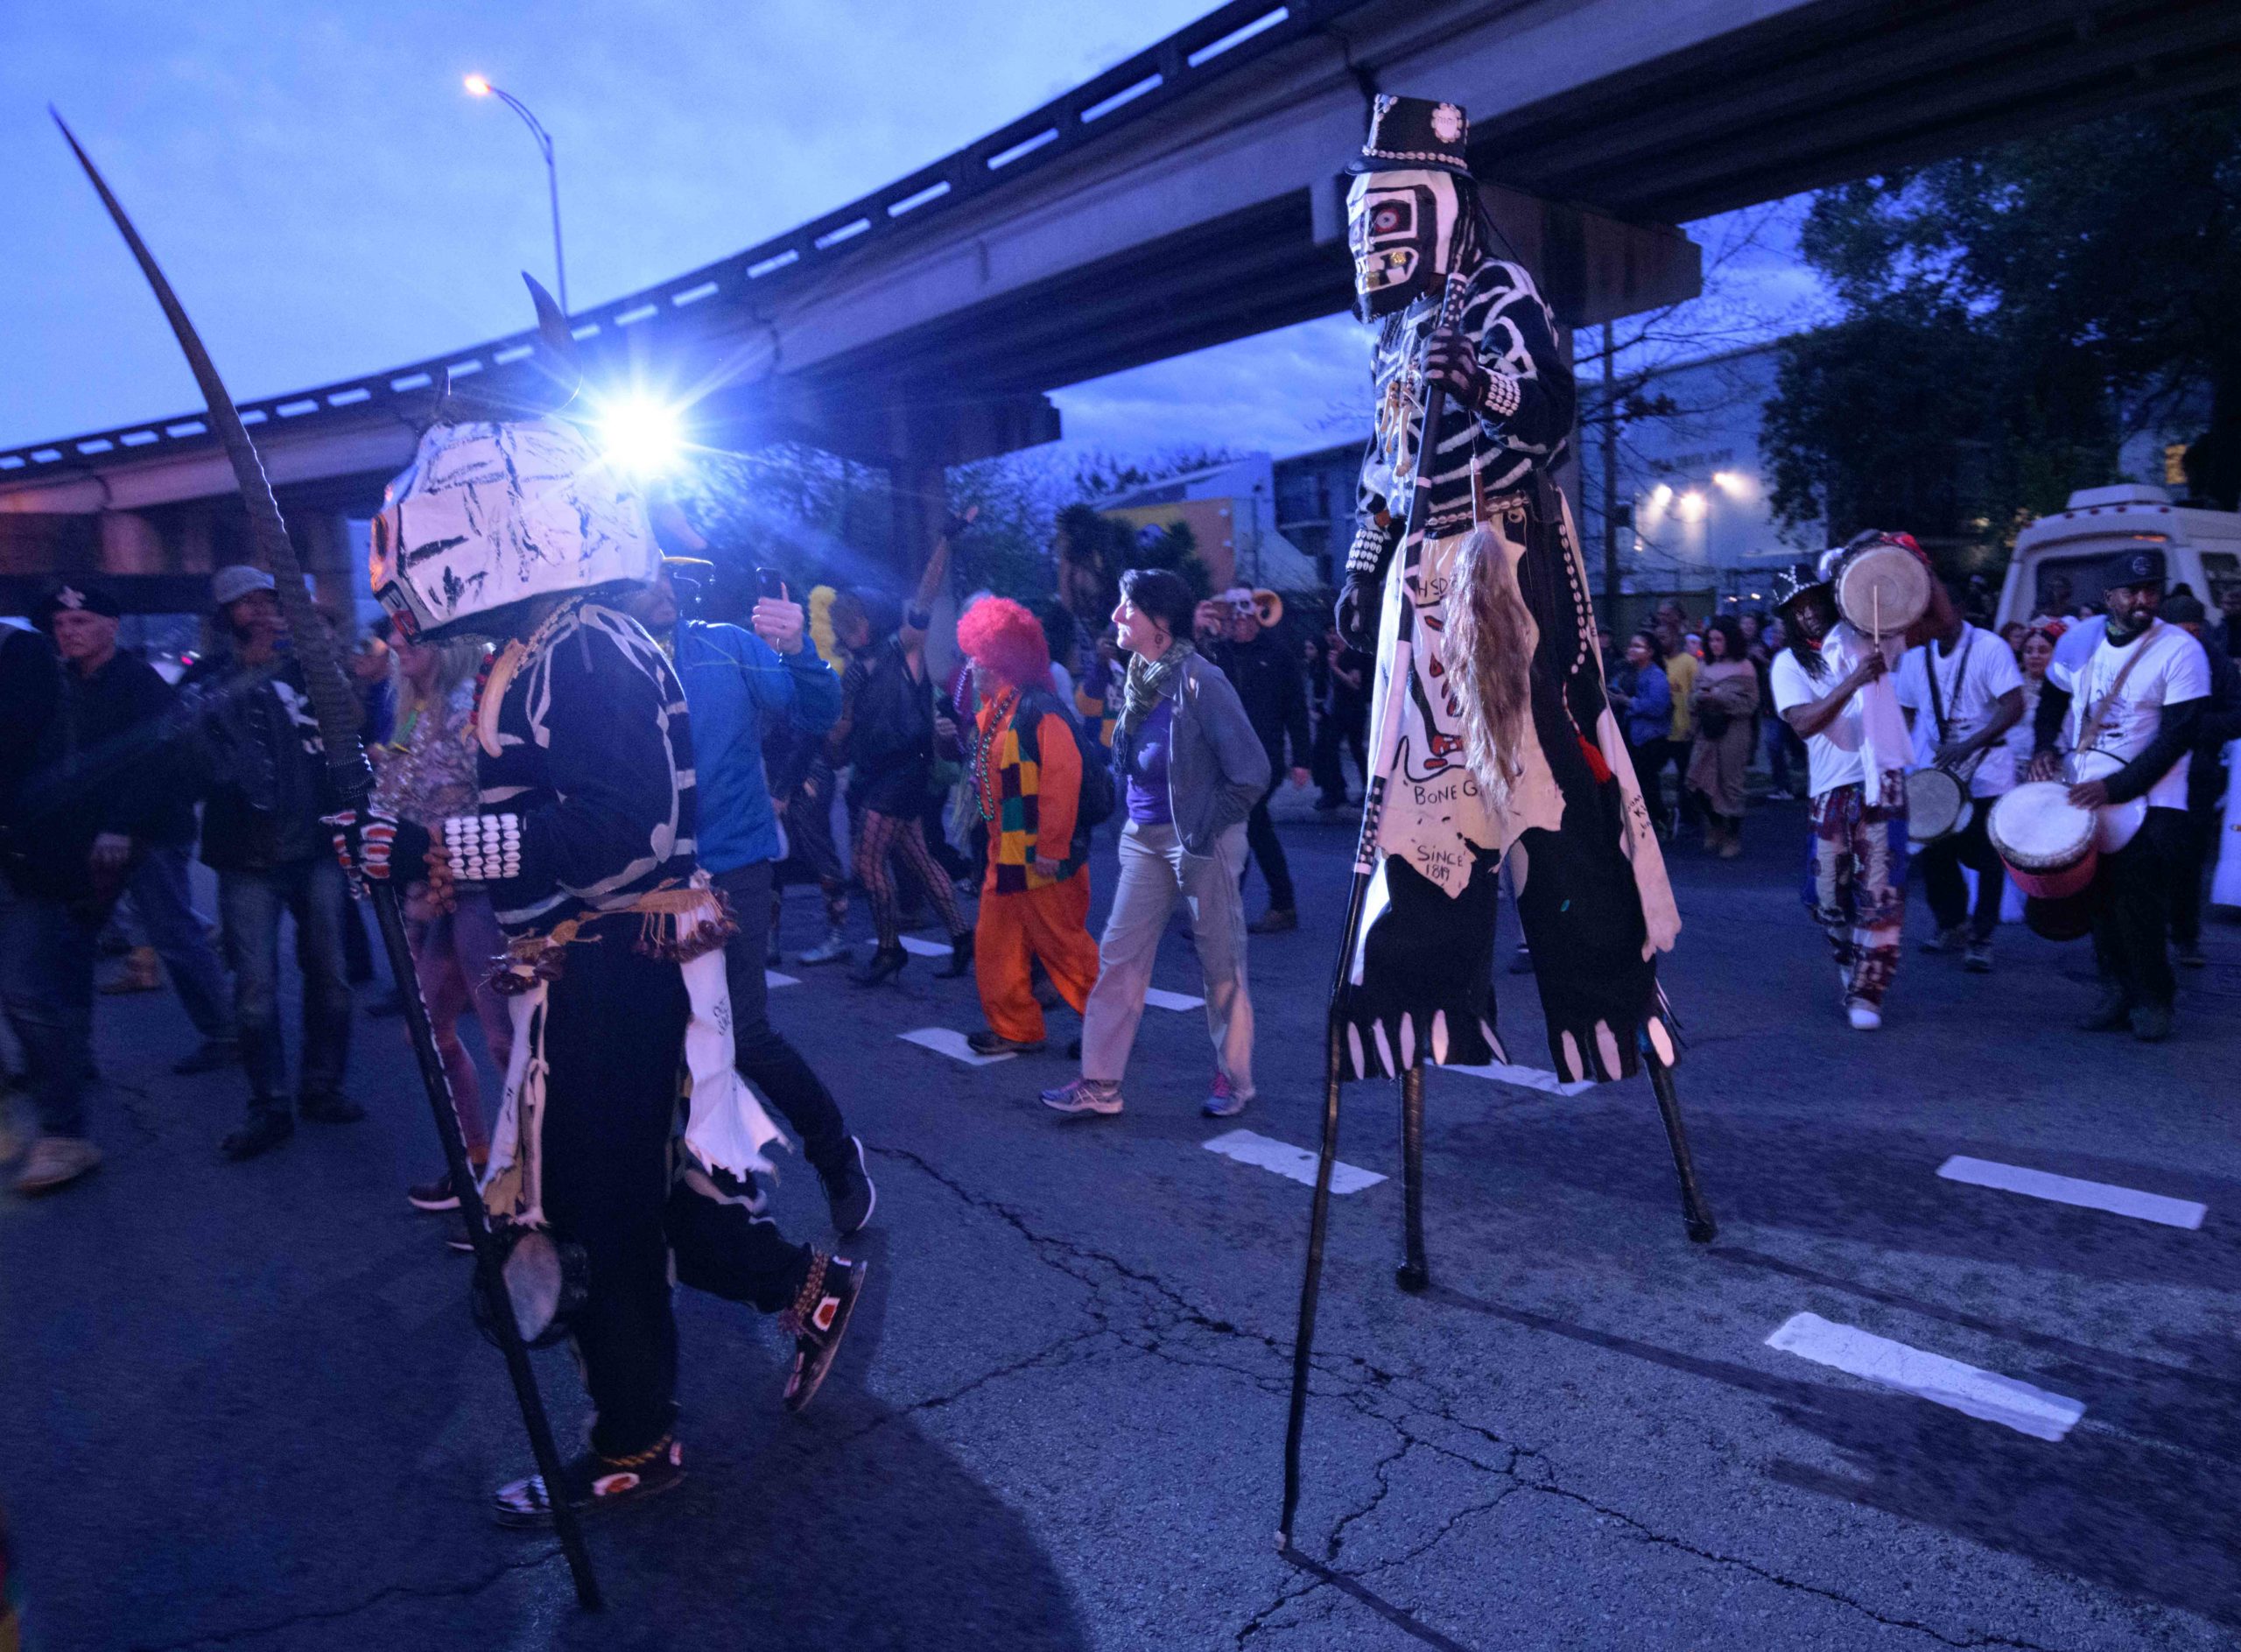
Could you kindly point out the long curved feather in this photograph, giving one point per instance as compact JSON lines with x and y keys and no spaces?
{"x":332,"y":702}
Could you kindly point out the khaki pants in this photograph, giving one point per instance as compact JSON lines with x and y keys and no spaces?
{"x":1154,"y":871}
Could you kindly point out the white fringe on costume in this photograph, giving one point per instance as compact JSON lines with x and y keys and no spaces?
{"x":726,"y":1126}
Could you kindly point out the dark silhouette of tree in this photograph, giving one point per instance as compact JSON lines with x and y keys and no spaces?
{"x":2024,"y":310}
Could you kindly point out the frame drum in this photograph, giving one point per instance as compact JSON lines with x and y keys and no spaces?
{"x":1881,"y":588}
{"x":1937,"y":805}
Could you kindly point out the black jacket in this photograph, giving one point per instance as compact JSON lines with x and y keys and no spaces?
{"x":258,"y":756}
{"x":106,"y":762}
{"x":1271,"y":680}
{"x":31,"y":683}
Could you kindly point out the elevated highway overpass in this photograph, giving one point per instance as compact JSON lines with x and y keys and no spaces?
{"x":1188,"y":196}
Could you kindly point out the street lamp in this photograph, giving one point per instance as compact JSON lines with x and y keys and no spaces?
{"x":479,"y":86}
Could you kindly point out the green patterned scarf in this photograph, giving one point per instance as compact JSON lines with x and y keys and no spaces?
{"x":1149,"y":682}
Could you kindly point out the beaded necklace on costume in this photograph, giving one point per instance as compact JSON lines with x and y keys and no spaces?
{"x":983,"y":739}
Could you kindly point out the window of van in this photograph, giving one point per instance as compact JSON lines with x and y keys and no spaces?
{"x":2081,"y":574}
{"x":2221,"y":570}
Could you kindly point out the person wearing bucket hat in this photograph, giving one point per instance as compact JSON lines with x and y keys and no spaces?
{"x":262,"y":768}
{"x":2127,"y":702}
{"x":1823,"y":682}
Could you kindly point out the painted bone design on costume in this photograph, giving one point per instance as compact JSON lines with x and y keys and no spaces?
{"x":1505,"y":751}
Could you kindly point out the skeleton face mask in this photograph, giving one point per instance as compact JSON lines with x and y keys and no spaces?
{"x":1401,"y":228}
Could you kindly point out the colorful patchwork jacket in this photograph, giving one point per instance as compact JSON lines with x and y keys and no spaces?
{"x":1027,"y":773}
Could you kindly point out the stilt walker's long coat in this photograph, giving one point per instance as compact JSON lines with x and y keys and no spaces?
{"x":1560,"y":807}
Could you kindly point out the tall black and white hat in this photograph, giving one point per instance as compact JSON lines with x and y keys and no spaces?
{"x":1408,"y":132}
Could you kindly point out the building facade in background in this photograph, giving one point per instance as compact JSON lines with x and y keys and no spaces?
{"x":1231,"y":512}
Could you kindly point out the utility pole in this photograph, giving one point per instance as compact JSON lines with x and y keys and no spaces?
{"x":1610,"y":488}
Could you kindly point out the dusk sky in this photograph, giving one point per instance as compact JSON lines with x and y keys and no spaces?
{"x":329,"y":201}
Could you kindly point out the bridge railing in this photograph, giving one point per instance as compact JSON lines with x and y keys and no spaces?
{"x":1222,"y":41}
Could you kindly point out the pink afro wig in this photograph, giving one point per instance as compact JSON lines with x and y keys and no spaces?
{"x":998,"y":634}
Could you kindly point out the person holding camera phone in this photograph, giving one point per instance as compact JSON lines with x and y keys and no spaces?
{"x":736,"y":683}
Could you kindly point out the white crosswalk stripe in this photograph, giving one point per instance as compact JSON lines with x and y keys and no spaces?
{"x":1987,"y":1395}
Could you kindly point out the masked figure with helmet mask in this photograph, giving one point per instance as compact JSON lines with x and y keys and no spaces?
{"x":511,"y":525}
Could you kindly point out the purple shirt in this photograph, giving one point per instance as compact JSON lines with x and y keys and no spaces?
{"x":1148,"y":800}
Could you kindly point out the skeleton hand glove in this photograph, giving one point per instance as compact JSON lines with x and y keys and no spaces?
{"x":1453,"y":361}
{"x":1359,"y":604}
{"x":367,"y":842}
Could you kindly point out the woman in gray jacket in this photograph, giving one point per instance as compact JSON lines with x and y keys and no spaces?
{"x":1190,"y":769}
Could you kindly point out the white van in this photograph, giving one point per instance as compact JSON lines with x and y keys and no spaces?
{"x":2201,"y":548}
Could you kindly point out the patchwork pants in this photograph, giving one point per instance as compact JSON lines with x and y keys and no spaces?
{"x":1017,"y":927}
{"x":1856,"y":883}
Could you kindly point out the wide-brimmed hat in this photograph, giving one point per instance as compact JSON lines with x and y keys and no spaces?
{"x":1794,"y":582}
{"x":1406,"y":132}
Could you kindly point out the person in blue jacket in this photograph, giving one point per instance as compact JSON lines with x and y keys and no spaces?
{"x":1643,"y":699}
{"x":738,"y":682}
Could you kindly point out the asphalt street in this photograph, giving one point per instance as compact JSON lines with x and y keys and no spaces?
{"x":244,"y":1406}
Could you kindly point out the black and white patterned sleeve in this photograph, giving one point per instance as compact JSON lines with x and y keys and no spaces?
{"x":1529,"y":397}
{"x":1375,"y":531}
{"x":614,"y":730}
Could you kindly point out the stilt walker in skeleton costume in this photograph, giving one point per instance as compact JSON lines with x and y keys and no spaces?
{"x":509,"y":525}
{"x":1492,"y":741}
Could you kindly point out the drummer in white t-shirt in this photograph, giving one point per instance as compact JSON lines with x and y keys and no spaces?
{"x":1962,"y":693}
{"x":2128,"y":709}
{"x":1832,"y":685}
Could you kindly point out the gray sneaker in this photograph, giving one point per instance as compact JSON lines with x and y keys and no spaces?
{"x":833,"y":949}
{"x":1978,"y":961}
{"x":1946,"y":940}
{"x":1084,"y":1095}
{"x":56,"y":1161}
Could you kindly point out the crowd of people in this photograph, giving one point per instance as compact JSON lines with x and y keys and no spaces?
{"x":1184,"y":718}
{"x":825,"y":748}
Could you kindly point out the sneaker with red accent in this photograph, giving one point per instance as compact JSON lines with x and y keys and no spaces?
{"x":594,"y":1483}
{"x":818,"y":1320}
{"x":1222,"y":1098}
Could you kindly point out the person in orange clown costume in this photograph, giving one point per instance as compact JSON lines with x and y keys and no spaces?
{"x":1027,"y":772}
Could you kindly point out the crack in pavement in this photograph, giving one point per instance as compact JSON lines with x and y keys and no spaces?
{"x":395,"y":1591}
{"x":1648,"y":1534}
{"x":1367,"y":1390}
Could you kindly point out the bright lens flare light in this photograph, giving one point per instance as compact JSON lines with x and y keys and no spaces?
{"x":478,"y":86}
{"x":641,"y":435}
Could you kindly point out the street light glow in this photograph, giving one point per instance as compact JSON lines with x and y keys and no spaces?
{"x":642,"y":434}
{"x":1692,"y":506}
{"x":1660,"y":496}
{"x":478,"y":86}
{"x":1730,"y":482}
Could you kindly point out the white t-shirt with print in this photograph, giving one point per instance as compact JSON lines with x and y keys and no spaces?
{"x":1834,"y":754}
{"x":1970,"y":682}
{"x":2173,"y":669}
